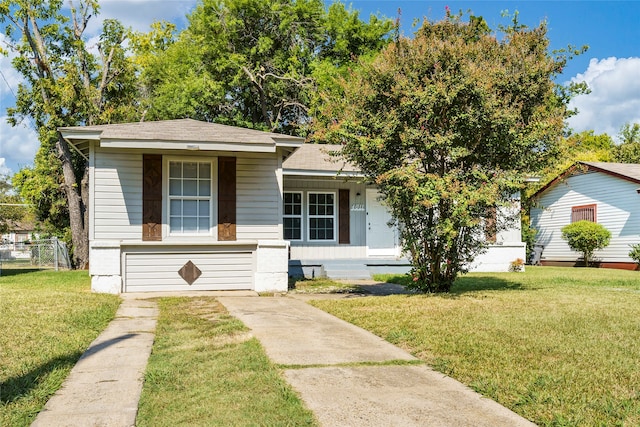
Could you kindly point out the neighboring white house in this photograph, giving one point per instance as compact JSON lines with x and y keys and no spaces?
{"x":338,"y":227}
{"x":606,"y":193}
{"x":186,"y":205}
{"x":13,"y":244}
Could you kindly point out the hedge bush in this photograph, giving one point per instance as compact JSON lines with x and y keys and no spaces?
{"x":586,"y":237}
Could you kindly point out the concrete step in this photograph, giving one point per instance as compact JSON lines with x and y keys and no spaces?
{"x":346,"y":271}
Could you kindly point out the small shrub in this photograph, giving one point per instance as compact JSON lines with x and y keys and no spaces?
{"x":586,"y":237}
{"x":517,"y":265}
{"x":634,"y":253}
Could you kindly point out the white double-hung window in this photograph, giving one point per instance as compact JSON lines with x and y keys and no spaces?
{"x":322,"y":216}
{"x":190,"y":197}
{"x":292,"y":221}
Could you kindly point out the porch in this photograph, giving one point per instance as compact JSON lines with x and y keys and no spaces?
{"x":347,"y":269}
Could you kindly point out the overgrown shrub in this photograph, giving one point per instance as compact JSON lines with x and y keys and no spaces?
{"x":634,"y":253}
{"x":586,"y":237}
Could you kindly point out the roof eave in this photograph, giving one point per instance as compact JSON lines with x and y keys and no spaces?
{"x":78,"y":134}
{"x":321,"y":173}
{"x":188,"y":145}
{"x":291,"y":142}
{"x":610,"y":172}
{"x":571,"y":169}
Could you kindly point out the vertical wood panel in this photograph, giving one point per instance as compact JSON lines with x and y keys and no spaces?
{"x":226,"y":198}
{"x":344,"y":231}
{"x":490,"y":226}
{"x":152,"y":197}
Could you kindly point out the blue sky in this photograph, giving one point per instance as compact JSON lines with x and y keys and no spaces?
{"x":611,"y":66}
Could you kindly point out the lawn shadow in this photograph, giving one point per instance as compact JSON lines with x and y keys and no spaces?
{"x":20,"y":386}
{"x":384,"y":289}
{"x":16,"y":271}
{"x":475,"y":283}
{"x":399,"y":285}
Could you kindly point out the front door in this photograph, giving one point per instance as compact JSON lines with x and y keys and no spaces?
{"x":382,"y":240}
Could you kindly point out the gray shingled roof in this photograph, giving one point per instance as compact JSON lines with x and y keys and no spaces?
{"x":181,"y":130}
{"x":318,"y":158}
{"x":624,"y":170}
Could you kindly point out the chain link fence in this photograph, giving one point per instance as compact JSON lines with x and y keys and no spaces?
{"x":45,"y":253}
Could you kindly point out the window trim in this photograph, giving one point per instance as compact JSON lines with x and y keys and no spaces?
{"x":593,"y":206}
{"x":310,"y":217}
{"x":213,"y":197}
{"x":301,"y":216}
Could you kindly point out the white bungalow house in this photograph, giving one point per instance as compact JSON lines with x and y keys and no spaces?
{"x":338,"y":227}
{"x":606,"y":193}
{"x":186,"y":205}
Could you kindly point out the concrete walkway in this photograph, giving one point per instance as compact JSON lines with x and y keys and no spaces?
{"x":103,"y":388}
{"x":345,"y":374}
{"x":296,"y":334}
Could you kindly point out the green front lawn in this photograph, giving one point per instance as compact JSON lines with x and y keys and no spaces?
{"x":207,"y":370}
{"x":559,"y":346}
{"x":47,"y":320}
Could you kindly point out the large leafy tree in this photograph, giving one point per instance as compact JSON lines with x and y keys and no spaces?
{"x":65,"y":84}
{"x":447,"y":124}
{"x":252,"y":63}
{"x":629,"y":149}
{"x":12,"y":210}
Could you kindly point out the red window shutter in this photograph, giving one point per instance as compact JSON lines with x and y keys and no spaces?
{"x":343,"y":217}
{"x":151,"y":197}
{"x":226,"y":198}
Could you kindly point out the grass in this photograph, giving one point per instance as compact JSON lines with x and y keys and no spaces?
{"x":47,"y":321}
{"x":322,"y":286}
{"x":559,"y":346}
{"x":206,"y":369}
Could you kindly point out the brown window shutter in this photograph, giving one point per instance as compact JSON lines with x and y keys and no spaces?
{"x":343,"y":217}
{"x":151,"y":197}
{"x":491,"y":231}
{"x":226,"y":198}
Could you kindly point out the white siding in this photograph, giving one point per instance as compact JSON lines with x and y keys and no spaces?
{"x":117,"y":197}
{"x":156,"y":269}
{"x":618,"y":209}
{"x":357,"y":220}
{"x":258,"y":198}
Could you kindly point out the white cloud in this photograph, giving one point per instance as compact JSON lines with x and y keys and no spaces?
{"x":614,"y":99}
{"x":4,"y":170}
{"x":18,"y":145}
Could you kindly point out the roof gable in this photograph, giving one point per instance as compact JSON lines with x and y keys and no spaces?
{"x":626,"y":171}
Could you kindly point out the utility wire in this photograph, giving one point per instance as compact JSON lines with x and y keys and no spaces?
{"x":33,"y":125}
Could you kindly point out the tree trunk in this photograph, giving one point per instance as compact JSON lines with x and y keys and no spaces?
{"x":77,"y":206}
